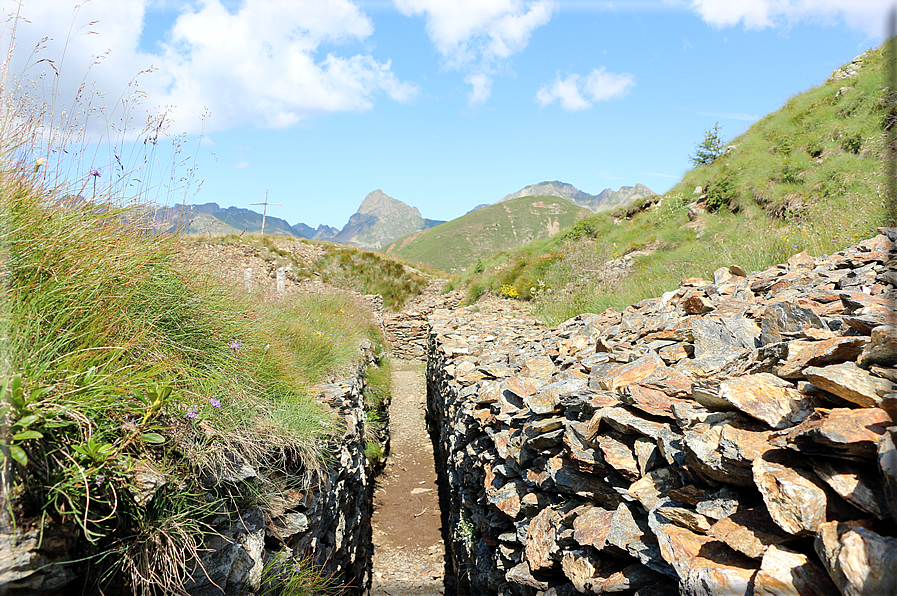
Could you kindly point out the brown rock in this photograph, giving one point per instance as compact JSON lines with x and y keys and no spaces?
{"x":592,"y":526}
{"x":839,"y":432}
{"x":654,"y":486}
{"x":541,"y":539}
{"x":859,"y":561}
{"x":633,"y":372}
{"x":538,"y":367}
{"x":507,"y":498}
{"x":704,"y":565}
{"x":650,"y":400}
{"x":795,"y":500}
{"x":618,"y":455}
{"x":750,"y":532}
{"x":802,"y":354}
{"x":853,"y":486}
{"x":741,"y":447}
{"x":768,"y":398}
{"x":848,"y":381}
{"x":522,"y":386}
{"x":785,"y":572}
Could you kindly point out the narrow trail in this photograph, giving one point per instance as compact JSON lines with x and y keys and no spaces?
{"x":408,"y":546}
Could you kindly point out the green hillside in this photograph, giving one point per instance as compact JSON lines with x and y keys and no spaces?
{"x":460,"y":243}
{"x":809,"y":176}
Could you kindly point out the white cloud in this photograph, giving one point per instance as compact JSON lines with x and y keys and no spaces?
{"x":241,"y":165}
{"x":576,"y":93}
{"x":865,"y":15}
{"x":481,"y":88}
{"x":479,"y":35}
{"x":257,"y":65}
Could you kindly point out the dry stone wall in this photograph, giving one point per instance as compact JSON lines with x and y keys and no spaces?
{"x":734,"y":436}
{"x":406,"y":331}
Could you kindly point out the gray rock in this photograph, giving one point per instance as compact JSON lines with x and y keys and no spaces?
{"x":631,"y":535}
{"x":786,"y":320}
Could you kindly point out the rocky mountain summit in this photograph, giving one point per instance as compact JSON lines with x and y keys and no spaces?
{"x":381,"y":219}
{"x":733,"y":436}
{"x":606,"y":199}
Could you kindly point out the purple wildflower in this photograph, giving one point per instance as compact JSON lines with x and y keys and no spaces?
{"x":130,"y":425}
{"x":234,"y":345}
{"x":215,"y":403}
{"x":101,"y":480}
{"x":191,"y":413}
{"x":95,"y":173}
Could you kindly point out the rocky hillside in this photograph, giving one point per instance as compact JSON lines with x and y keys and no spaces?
{"x":380,"y":220}
{"x":733,"y":436}
{"x":606,"y":199}
{"x":458,"y":244}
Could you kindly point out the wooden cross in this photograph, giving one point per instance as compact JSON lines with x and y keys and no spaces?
{"x":265,"y":209}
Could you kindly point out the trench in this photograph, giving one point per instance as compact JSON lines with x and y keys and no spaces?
{"x":409,"y":555}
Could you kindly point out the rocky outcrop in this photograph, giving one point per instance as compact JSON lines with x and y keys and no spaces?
{"x":733,"y":436}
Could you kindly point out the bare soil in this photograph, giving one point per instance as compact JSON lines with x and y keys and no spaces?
{"x":408,"y":547}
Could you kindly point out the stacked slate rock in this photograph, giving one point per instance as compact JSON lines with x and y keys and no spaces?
{"x":733,"y":436}
{"x":406,"y":331}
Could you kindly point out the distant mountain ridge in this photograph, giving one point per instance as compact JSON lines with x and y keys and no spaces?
{"x":606,"y":199}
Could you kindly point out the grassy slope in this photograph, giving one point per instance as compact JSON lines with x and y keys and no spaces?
{"x":458,"y":244}
{"x":116,"y":355}
{"x":807,"y":177}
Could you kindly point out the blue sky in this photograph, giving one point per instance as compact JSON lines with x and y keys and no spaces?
{"x":442,"y":104}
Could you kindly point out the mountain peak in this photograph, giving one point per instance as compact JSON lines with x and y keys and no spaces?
{"x":379,"y":203}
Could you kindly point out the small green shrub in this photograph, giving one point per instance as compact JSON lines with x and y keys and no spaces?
{"x":721,"y":192}
{"x":710,"y":149}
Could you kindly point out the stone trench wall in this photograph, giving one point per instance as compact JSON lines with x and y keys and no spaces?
{"x":733,"y":436}
{"x":329,"y":522}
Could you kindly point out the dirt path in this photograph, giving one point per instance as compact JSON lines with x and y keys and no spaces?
{"x":408,"y":546}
